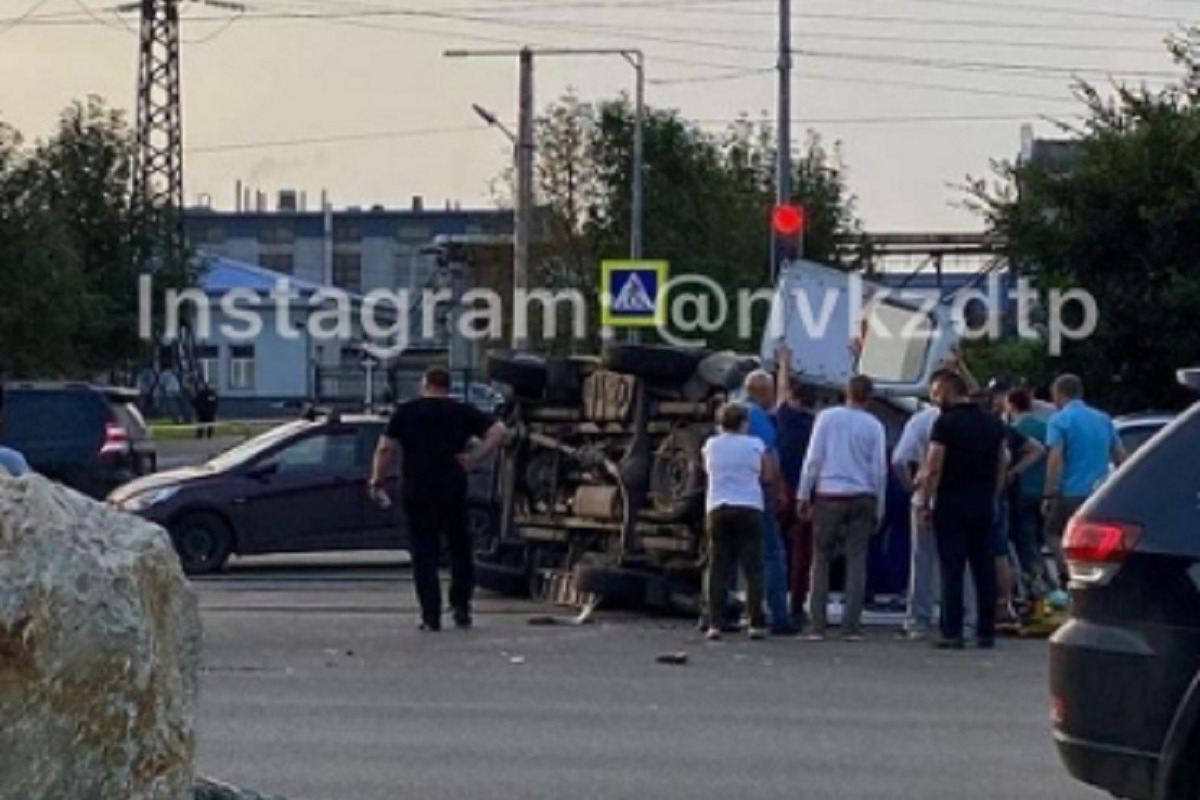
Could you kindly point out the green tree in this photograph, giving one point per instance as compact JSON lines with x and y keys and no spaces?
{"x":1121,"y":221}
{"x":70,"y":302}
{"x":41,"y":279}
{"x":707,"y":206}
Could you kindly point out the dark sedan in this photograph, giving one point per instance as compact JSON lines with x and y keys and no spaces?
{"x":300,"y":487}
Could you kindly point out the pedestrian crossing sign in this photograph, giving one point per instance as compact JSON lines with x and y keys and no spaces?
{"x":633,"y":293}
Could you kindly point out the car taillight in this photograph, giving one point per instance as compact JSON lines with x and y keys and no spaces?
{"x":1058,"y":711}
{"x":1094,"y":550}
{"x":116,"y":440}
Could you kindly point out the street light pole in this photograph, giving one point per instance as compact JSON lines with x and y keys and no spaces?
{"x":524,"y":200}
{"x":637,"y":60}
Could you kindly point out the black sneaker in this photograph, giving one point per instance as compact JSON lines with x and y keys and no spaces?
{"x":462,"y":620}
{"x":950,"y":644}
{"x":429,"y":627}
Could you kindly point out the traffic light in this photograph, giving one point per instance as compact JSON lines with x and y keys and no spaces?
{"x":787,"y":223}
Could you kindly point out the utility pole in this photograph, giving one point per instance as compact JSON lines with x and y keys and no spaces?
{"x":524,"y":201}
{"x":157,"y":191}
{"x":783,"y":159}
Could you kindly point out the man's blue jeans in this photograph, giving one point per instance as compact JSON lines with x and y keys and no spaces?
{"x":775,"y":572}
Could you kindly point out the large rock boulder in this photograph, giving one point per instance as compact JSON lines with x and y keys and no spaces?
{"x":99,"y":652}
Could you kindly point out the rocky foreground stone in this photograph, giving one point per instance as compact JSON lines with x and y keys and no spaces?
{"x":99,"y":652}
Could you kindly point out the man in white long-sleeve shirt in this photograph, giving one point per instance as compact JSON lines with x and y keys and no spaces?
{"x":843,"y":486}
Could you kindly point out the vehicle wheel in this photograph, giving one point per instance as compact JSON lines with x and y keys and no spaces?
{"x":525,"y":375}
{"x":676,"y":477}
{"x":725,"y":370}
{"x":654,"y":363}
{"x":203,"y":542}
{"x":504,"y":573}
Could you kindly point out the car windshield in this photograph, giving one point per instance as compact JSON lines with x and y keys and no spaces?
{"x":252,"y":448}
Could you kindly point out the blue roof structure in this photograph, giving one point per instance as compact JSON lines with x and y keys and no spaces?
{"x":222,"y":275}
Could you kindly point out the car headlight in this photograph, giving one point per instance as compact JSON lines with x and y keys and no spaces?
{"x":149,"y":499}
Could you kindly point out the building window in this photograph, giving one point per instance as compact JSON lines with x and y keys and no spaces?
{"x":241,"y":366}
{"x":208,"y":360}
{"x":212,"y":234}
{"x":347,"y":271}
{"x":276,"y":233}
{"x":346,"y":233}
{"x":278,"y":262}
{"x":414,"y":233}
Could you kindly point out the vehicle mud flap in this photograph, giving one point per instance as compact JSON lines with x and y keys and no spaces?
{"x":654,"y":363}
{"x":621,"y":587}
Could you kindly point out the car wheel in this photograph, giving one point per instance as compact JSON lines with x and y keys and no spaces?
{"x":525,"y":376}
{"x":505,"y":572}
{"x":676,"y":477}
{"x":654,"y":363}
{"x":203,"y":542}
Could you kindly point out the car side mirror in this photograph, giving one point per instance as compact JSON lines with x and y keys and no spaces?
{"x":263,"y":470}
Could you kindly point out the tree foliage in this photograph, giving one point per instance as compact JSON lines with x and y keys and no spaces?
{"x":707,"y":197}
{"x":68,"y":259}
{"x":1121,"y":220}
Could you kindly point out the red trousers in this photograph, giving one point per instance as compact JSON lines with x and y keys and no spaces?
{"x":799,"y":534}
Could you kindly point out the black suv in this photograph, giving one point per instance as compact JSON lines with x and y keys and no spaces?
{"x":89,"y":438}
{"x":1125,"y":669}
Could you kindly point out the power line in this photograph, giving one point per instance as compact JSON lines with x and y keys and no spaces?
{"x":355,"y":19}
{"x":332,"y":139}
{"x":674,"y":6}
{"x":1045,"y":9}
{"x":1035,"y":70}
{"x":728,"y":76}
{"x":9,"y":24}
{"x":892,"y":120}
{"x":346,"y":138}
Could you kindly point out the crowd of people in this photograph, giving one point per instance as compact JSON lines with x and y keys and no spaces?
{"x":994,"y":477}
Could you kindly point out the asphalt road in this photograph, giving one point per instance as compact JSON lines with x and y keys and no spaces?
{"x":317,"y":686}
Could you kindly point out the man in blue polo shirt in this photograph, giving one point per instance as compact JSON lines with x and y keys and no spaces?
{"x":760,"y":392}
{"x":1083,"y":445}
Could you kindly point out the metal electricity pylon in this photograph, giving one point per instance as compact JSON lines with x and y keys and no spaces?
{"x":157,"y":192}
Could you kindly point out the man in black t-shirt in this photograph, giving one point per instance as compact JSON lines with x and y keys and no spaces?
{"x":433,"y":432}
{"x":965,"y":474}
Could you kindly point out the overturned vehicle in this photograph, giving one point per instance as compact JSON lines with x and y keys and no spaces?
{"x":599,"y":491}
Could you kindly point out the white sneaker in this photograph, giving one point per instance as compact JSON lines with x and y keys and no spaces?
{"x":712,"y":634}
{"x":758,"y":634}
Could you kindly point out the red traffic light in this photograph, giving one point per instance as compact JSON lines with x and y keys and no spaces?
{"x":788,"y":220}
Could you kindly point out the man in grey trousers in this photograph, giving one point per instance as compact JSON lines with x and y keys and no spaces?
{"x":843,"y":488}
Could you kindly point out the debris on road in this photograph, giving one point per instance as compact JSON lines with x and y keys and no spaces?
{"x":673,"y":659}
{"x":206,"y":789}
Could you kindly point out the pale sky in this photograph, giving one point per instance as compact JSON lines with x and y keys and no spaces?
{"x":865,"y":76}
